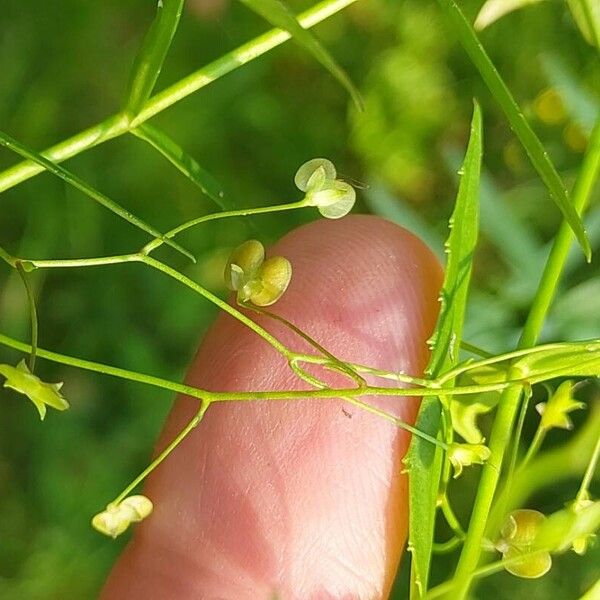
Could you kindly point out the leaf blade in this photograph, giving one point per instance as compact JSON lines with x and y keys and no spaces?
{"x":423,"y":459}
{"x":182,"y":161}
{"x":152,"y":53}
{"x":72,"y":179}
{"x":529,"y":140}
{"x":279,"y":15}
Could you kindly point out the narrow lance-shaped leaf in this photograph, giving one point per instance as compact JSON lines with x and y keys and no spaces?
{"x":279,"y":15}
{"x":531,"y":143}
{"x":12,"y":144}
{"x":151,"y":56}
{"x":179,"y":158}
{"x":424,"y":459}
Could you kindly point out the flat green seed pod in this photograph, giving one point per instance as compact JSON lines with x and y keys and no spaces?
{"x":529,"y":567}
{"x":248,"y":257}
{"x":308,"y":178}
{"x":345,"y":197}
{"x":274,"y":275}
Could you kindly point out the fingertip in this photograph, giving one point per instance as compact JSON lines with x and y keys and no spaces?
{"x":302,"y":498}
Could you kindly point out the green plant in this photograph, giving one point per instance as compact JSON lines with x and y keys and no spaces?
{"x":449,"y":383}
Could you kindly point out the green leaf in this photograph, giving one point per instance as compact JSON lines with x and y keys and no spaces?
{"x":178,"y":157}
{"x":493,"y":10}
{"x":531,"y":143}
{"x":55,"y":169}
{"x":563,"y":527}
{"x":279,"y":15}
{"x":581,"y":359}
{"x":149,"y":60}
{"x":424,"y":459}
{"x":587,"y":16}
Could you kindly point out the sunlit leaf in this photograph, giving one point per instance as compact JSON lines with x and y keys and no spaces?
{"x":149,"y":61}
{"x":279,"y":15}
{"x":424,"y":459}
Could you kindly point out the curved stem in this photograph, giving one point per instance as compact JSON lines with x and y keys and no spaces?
{"x":32,"y":314}
{"x":589,"y":472}
{"x":159,"y":459}
{"x":242,"y":212}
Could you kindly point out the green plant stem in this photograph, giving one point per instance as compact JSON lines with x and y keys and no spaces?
{"x":589,"y":473}
{"x":120,"y":123}
{"x":161,"y":457}
{"x":534,"y":447}
{"x":242,"y":212}
{"x":510,"y":401}
{"x":32,"y":314}
{"x":233,"y":396}
{"x":174,"y":274}
{"x":452,"y":519}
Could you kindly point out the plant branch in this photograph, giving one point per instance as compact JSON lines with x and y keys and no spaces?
{"x":510,"y":401}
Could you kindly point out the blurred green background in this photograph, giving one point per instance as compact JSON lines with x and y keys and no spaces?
{"x":64,"y":65}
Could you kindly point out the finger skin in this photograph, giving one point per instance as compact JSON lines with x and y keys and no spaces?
{"x":297,"y":500}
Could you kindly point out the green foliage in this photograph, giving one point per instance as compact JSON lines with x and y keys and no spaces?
{"x":252,"y":130}
{"x":279,"y":15}
{"x":152,"y":54}
{"x":424,"y":466}
{"x":181,"y":160}
{"x":536,"y":152}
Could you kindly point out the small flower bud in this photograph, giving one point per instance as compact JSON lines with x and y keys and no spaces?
{"x":465,"y":455}
{"x":117,"y":517}
{"x":555,"y":412}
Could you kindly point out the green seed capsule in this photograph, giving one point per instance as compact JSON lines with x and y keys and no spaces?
{"x":274,"y":276}
{"x":243,"y":263}
{"x":314,"y":173}
{"x":256,"y":280}
{"x":518,"y":538}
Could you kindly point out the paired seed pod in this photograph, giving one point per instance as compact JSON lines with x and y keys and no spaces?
{"x":318,"y":179}
{"x":517,"y":544}
{"x":256,"y":280}
{"x":117,"y":517}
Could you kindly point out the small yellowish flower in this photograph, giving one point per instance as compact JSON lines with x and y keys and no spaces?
{"x":333,"y":197}
{"x":517,"y":539}
{"x":555,"y":412}
{"x":581,"y":544}
{"x":465,"y":455}
{"x":22,"y":380}
{"x":117,"y":517}
{"x":256,"y":280}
